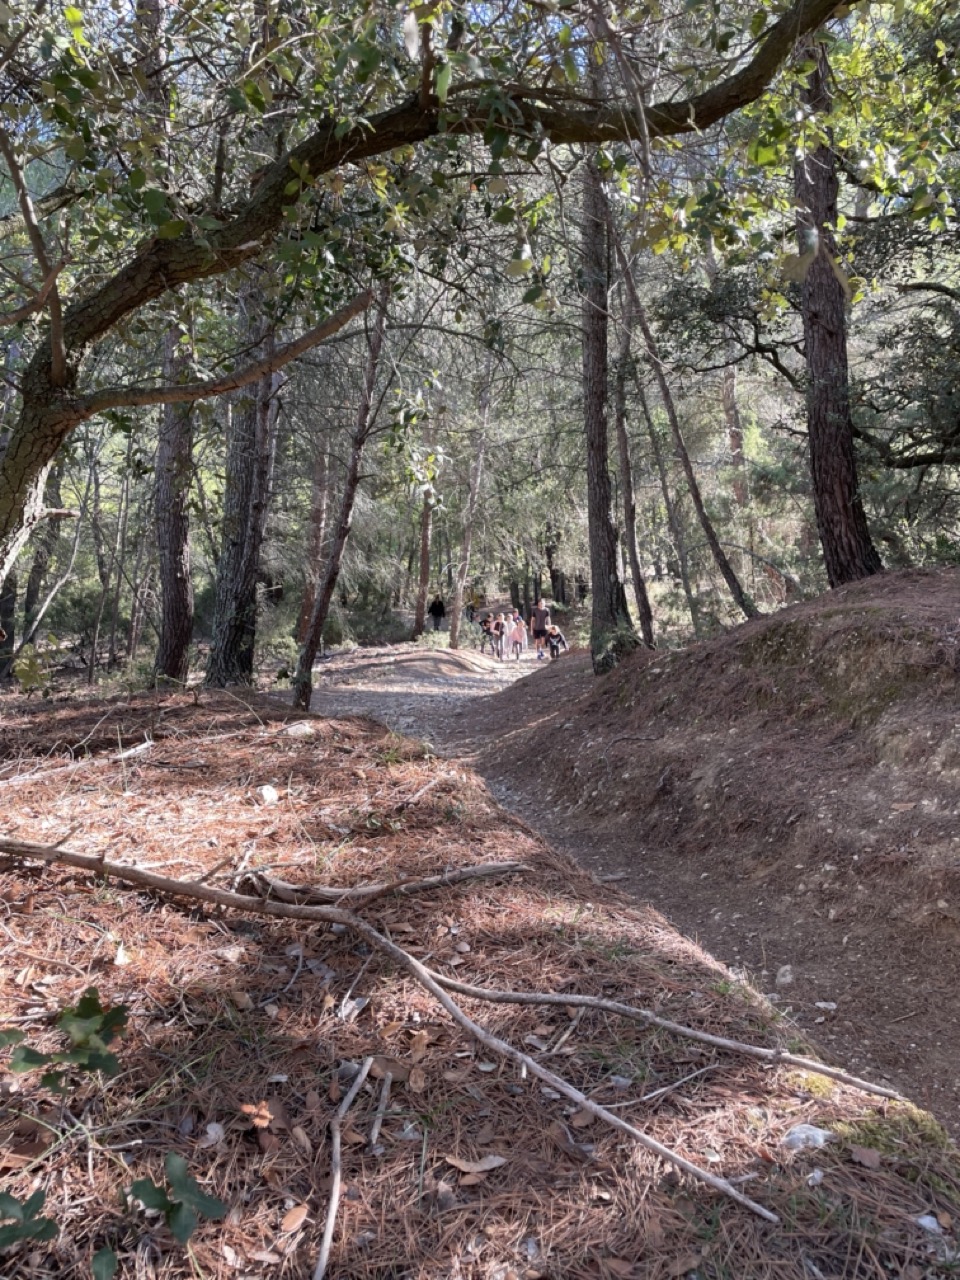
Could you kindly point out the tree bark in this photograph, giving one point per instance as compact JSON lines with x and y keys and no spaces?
{"x":319,"y":503}
{"x":251,"y":441}
{"x":423,"y":578}
{"x":8,"y":616}
{"x":172,"y":498}
{"x":644,"y":612}
{"x":611,"y":631}
{"x":848,"y":550}
{"x":673,"y":516}
{"x":303,"y":679}
{"x":46,"y":545}
{"x":743,"y":601}
{"x":478,"y":450}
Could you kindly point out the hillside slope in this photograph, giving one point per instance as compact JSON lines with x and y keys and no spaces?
{"x":790,"y":794}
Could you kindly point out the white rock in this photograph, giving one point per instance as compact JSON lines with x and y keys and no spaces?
{"x":784,"y":976}
{"x":929,"y":1223}
{"x":807,"y":1137}
{"x":268,"y":794}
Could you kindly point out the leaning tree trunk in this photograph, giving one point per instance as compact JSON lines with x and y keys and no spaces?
{"x":251,"y":442}
{"x":644,"y":612}
{"x":746,"y":605}
{"x":172,"y":507}
{"x":611,"y":632}
{"x":8,"y":616}
{"x":848,"y":551}
{"x":478,"y":449}
{"x":303,"y":679}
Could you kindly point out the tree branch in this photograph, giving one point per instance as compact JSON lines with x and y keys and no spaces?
{"x":186,"y":393}
{"x":58,"y":361}
{"x":929,"y":286}
{"x":25,"y":311}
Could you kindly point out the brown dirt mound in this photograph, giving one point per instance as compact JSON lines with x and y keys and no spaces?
{"x":790,"y":792}
{"x":230,"y":1013}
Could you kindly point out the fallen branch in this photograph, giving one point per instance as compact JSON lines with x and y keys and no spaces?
{"x":435,"y":985}
{"x":320,"y":1269}
{"x":775,"y":1056}
{"x":287,"y":892}
{"x":41,"y":775}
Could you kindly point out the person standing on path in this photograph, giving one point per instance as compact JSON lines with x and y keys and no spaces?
{"x":517,"y":635}
{"x":539,"y":622}
{"x":437,"y":612}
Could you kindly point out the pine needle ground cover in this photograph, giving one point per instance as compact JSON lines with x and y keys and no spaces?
{"x":244,"y":1034}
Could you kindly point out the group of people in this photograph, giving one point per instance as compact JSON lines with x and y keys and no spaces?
{"x":506,"y":634}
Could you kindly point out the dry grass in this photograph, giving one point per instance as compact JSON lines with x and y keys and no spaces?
{"x":228,"y":1011}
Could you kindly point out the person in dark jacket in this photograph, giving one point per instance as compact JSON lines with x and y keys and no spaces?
{"x":555,"y":641}
{"x":437,"y":612}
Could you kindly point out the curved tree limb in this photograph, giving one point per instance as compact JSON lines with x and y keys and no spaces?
{"x":34,"y":304}
{"x":187,"y":392}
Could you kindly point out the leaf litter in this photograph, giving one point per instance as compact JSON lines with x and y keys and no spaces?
{"x":196,"y":1047}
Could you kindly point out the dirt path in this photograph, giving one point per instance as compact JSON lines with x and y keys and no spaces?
{"x":875,"y":1001}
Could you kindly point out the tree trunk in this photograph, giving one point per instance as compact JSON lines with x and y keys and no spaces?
{"x":172,"y":506}
{"x":303,"y":680}
{"x":423,"y":582}
{"x":8,"y":616}
{"x":673,"y":516}
{"x":731,"y":413}
{"x":848,"y":551}
{"x":611,"y":632}
{"x":251,"y":447}
{"x":319,"y":503}
{"x":644,"y":612}
{"x":478,"y":450}
{"x":46,"y":545}
{"x":746,"y":605}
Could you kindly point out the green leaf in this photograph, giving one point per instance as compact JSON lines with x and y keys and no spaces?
{"x":155,"y":203}
{"x":444,"y":76}
{"x":150,"y":1195}
{"x":9,"y":1037}
{"x":182,"y":1221}
{"x":10,"y":1207}
{"x":104,"y":1265}
{"x":189,"y":1190}
{"x":25,"y":1058}
{"x":170,"y":230}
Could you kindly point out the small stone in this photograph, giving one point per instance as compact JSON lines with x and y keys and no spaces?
{"x":784,"y":976}
{"x":929,"y":1223}
{"x":805,"y":1137}
{"x":268,"y":794}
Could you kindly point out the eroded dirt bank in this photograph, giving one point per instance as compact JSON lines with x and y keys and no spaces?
{"x":788,"y":795}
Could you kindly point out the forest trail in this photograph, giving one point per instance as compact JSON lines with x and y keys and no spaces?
{"x":803,"y":875}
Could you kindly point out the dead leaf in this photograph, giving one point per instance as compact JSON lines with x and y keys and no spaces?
{"x":268,"y":1143}
{"x":299,"y":1136}
{"x":278,"y":1115}
{"x":483,"y":1165}
{"x":618,"y":1267}
{"x":418,"y":1044}
{"x":242,"y":1001}
{"x":214,"y":1133}
{"x":327,"y":1003}
{"x":258,"y":1112}
{"x":472,"y":1179}
{"x":122,"y":958}
{"x":312,"y":1100}
{"x":294,"y":1218}
{"x":945,"y":1220}
{"x":445,"y":1196}
{"x":397,"y":1069}
{"x":402,"y":928}
{"x":417,"y":1080}
{"x":903,"y":808}
{"x":271,"y":1010}
{"x":486,"y":1134}
{"x":334,"y":1091}
{"x":265,"y":1256}
{"x":353,"y":1137}
{"x":391,"y":1029}
{"x":581,"y":1119}
{"x":867,"y":1156}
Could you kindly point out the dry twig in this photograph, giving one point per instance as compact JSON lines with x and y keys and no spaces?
{"x":363,"y":893}
{"x":436,"y":986}
{"x":336,"y":1178}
